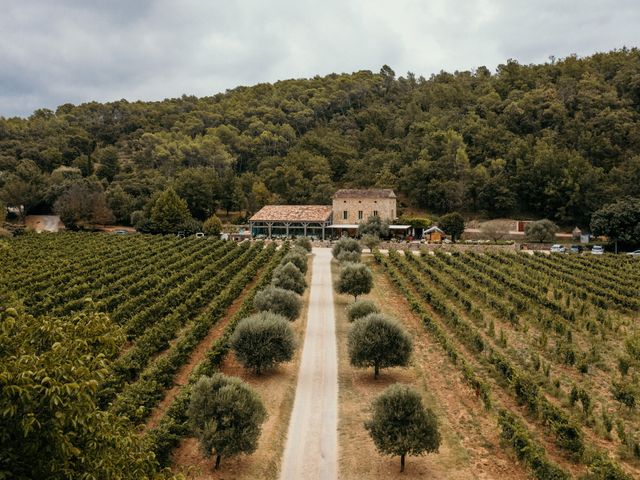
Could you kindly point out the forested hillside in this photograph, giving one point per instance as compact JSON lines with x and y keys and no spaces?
{"x":556,"y":140}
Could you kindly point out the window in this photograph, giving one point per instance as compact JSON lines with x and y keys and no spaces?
{"x":345,"y":215}
{"x":375,"y":213}
{"x":359,"y":214}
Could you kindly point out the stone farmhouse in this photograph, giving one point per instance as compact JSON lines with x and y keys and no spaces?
{"x":350,"y":208}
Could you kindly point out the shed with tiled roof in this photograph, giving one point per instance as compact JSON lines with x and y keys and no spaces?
{"x":291,"y":220}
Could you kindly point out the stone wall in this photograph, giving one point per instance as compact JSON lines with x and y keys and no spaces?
{"x":386,"y":208}
{"x":449,"y":247}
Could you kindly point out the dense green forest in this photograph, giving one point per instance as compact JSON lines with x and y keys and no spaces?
{"x":556,"y":140}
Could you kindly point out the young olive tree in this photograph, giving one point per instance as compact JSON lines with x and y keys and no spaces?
{"x":345,"y":244}
{"x":370,"y":241}
{"x":378,"y":341}
{"x":348,"y":257}
{"x":304,"y":243}
{"x":263,"y":340}
{"x":355,"y":279}
{"x":298,"y":257}
{"x":401,"y":425}
{"x":361,"y":308}
{"x":226,"y":416}
{"x":289,"y":277}
{"x":495,"y":229}
{"x":279,"y":301}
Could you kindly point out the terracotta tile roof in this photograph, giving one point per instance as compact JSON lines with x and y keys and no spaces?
{"x":365,"y":193}
{"x":293,"y":213}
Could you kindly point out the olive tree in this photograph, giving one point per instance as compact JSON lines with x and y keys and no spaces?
{"x":541,"y":231}
{"x":401,"y":425}
{"x":355,"y":279}
{"x":298,"y":258}
{"x":374,"y":225}
{"x":495,"y":229}
{"x":226,"y":416}
{"x":378,"y":341}
{"x":289,"y":277}
{"x":279,"y":301}
{"x":348,"y":256}
{"x":263,"y":340}
{"x":361,"y":308}
{"x":345,"y":244}
{"x":370,"y":241}
{"x":304,"y":243}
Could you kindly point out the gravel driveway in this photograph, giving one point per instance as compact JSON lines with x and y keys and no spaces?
{"x":312,"y":439}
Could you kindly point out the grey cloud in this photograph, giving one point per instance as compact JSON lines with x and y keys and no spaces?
{"x":77,"y":51}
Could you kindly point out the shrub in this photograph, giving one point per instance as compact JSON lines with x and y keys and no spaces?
{"x":279,"y":301}
{"x":226,"y":416}
{"x":212,"y":226}
{"x":345,"y":244}
{"x":625,"y":393}
{"x":624,"y":363}
{"x":401,"y":425}
{"x":632,"y":345}
{"x":262,"y":341}
{"x":304,"y":243}
{"x":355,"y":279}
{"x":298,"y":258}
{"x":360,"y":309}
{"x":289,"y":277}
{"x":346,"y":257}
{"x":379,"y":342}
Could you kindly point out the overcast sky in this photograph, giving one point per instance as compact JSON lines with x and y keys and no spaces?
{"x":59,"y":51}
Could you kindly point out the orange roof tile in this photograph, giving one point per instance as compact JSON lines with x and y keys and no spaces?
{"x":365,"y":193}
{"x":292,"y":213}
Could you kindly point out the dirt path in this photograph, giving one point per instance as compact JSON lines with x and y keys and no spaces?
{"x":312,"y":439}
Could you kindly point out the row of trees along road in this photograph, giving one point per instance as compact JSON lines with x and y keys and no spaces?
{"x":557,"y":140}
{"x":225,"y":413}
{"x":400,"y":424}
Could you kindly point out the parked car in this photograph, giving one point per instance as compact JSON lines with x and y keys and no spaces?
{"x":557,"y":248}
{"x":120,"y":232}
{"x":634,"y":254}
{"x":597,"y":250}
{"x":200,"y":235}
{"x":576,"y":249}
